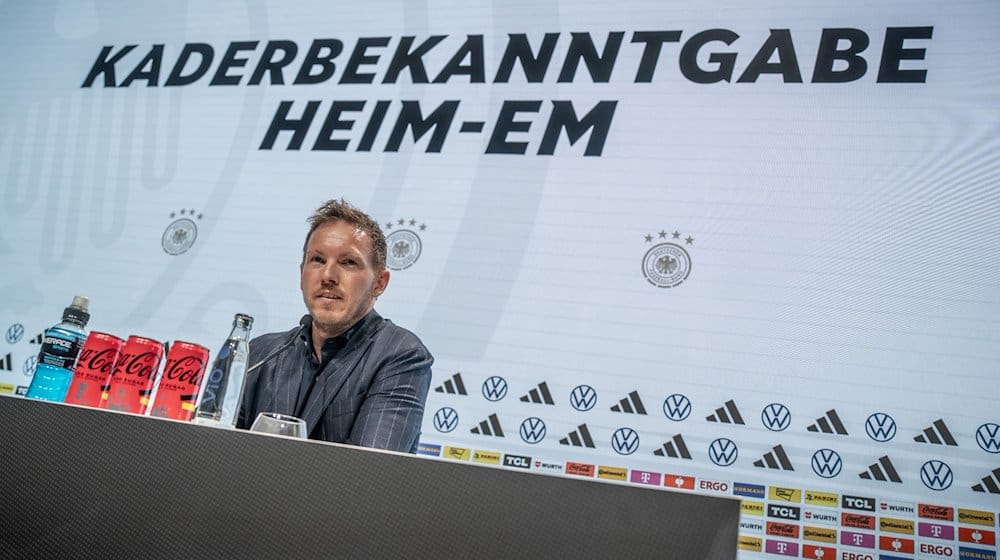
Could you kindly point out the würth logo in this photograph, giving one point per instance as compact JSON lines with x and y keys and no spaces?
{"x":881,"y":471}
{"x":579,"y":438}
{"x":539,"y":395}
{"x":828,"y":424}
{"x":727,"y":414}
{"x":675,"y":448}
{"x":937,"y":434}
{"x":631,"y":404}
{"x":775,"y":459}
{"x":489,"y":427}
{"x":453,"y":386}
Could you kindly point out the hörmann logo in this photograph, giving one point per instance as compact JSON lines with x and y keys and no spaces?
{"x":783,"y":512}
{"x":748,"y":490}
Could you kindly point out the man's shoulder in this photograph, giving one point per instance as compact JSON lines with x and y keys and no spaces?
{"x":400,"y":337}
{"x":272,"y":339}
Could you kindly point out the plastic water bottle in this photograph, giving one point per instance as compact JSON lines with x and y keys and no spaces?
{"x":61,"y":346}
{"x":222,"y":390}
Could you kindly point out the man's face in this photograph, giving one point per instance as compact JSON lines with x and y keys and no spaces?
{"x":338,"y":277}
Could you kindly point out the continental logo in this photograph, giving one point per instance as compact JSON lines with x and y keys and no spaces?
{"x":579,"y":469}
{"x":6,"y":389}
{"x":782,"y":529}
{"x":857,"y":521}
{"x":488,"y":457}
{"x":457,"y":453}
{"x":750,"y":507}
{"x":929,"y":511}
{"x":819,"y":534}
{"x":976,"y":517}
{"x":753,"y":544}
{"x":613,"y":473}
{"x":785,"y":494}
{"x":891,"y":525}
{"x":827,"y":499}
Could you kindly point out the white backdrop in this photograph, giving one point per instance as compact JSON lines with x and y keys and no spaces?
{"x":839,"y":240}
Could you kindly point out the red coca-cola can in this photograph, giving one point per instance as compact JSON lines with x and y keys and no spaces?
{"x":132,"y":380}
{"x":94,"y":368}
{"x":180,"y":382}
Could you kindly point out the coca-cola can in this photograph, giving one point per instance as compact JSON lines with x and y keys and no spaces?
{"x":94,"y":368}
{"x":134,"y":374}
{"x":180,"y":382}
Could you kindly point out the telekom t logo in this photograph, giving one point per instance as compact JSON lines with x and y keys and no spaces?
{"x":935,"y":530}
{"x":782,"y":547}
{"x":858,"y":539}
{"x":645,"y":477}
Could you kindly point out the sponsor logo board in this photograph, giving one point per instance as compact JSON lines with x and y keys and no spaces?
{"x":896,"y":544}
{"x":936,"y":531}
{"x":612,"y":473}
{"x":787,"y":530}
{"x":784,"y":548}
{"x":827,"y":499}
{"x":431,"y":449}
{"x":517,"y":461}
{"x":854,"y":538}
{"x":784,"y":494}
{"x":678,"y":481}
{"x":819,"y":534}
{"x":893,"y":525}
{"x":748,"y":490}
{"x":977,"y":517}
{"x":857,"y":521}
{"x":969,"y":553}
{"x":820,"y":516}
{"x":750,"y":507}
{"x":579,"y":469}
{"x":645,"y":477}
{"x":488,"y":457}
{"x":456,"y":453}
{"x":753,"y":544}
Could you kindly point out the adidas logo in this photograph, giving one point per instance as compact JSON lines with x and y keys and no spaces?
{"x":6,"y":364}
{"x":828,"y":424}
{"x":579,"y":438}
{"x":990,"y":483}
{"x":675,"y":448}
{"x":882,"y":471}
{"x":937,"y":433}
{"x":775,"y":459}
{"x":539,"y":395}
{"x":37,"y":339}
{"x":489,"y":427}
{"x":727,"y":414}
{"x":631,"y":404}
{"x":453,"y":386}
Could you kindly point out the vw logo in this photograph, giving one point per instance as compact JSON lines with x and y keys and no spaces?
{"x":28,"y":368}
{"x":445,"y":419}
{"x":14,"y":333}
{"x":827,"y":463}
{"x":677,"y":407}
{"x":583,"y":397}
{"x":936,"y":475}
{"x":776,"y":417}
{"x":880,"y":427}
{"x":494,"y":388}
{"x":532,"y":430}
{"x":988,"y":437}
{"x":625,"y":441}
{"x":723,"y":452}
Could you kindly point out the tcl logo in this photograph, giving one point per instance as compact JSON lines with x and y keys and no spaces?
{"x":517,"y":461}
{"x":939,"y":549}
{"x":856,"y":556}
{"x":713,"y":485}
{"x":784,"y":512}
{"x":854,"y":502}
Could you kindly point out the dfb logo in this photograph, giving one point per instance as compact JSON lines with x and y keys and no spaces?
{"x":445,"y":419}
{"x":936,"y":475}
{"x":625,"y":441}
{"x":532,"y":430}
{"x":827,"y":463}
{"x":776,"y":417}
{"x":14,"y":333}
{"x":723,"y":452}
{"x":988,"y":437}
{"x":880,"y":427}
{"x":677,"y":407}
{"x":583,"y":397}
{"x":494,"y":388}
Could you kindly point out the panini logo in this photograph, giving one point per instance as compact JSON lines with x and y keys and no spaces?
{"x":814,"y":516}
{"x":749,"y":490}
{"x":751,"y":526}
{"x":579,"y":469}
{"x":819,"y":534}
{"x":785,"y":494}
{"x":976,"y":517}
{"x":857,"y":521}
{"x":900,"y":508}
{"x":457,"y":453}
{"x":929,"y":511}
{"x":783,"y":530}
{"x":489,"y":457}
{"x":750,"y":507}
{"x":753,"y":544}
{"x":814,"y":498}
{"x":891,"y":525}
{"x":613,"y":473}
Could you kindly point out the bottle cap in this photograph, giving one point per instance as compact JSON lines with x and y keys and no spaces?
{"x":77,"y":311}
{"x":243,"y":320}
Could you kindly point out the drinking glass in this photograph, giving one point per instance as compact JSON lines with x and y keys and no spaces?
{"x":279,"y":424}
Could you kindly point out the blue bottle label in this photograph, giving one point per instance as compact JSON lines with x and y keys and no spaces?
{"x":60,"y":348}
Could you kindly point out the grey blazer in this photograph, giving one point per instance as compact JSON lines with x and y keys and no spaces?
{"x":371,"y":393}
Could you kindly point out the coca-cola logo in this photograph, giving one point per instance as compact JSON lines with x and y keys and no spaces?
{"x":188,"y":369}
{"x":101,"y":361}
{"x":139,"y":365}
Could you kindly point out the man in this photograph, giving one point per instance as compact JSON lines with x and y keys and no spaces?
{"x":353,"y":376}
